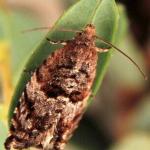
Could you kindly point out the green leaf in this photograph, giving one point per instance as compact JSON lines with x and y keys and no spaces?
{"x":11,"y":25}
{"x":3,"y":134}
{"x":102,"y":13}
{"x":4,"y":25}
{"x":22,"y":43}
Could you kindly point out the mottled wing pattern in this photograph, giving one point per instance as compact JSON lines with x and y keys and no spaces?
{"x":55,"y":98}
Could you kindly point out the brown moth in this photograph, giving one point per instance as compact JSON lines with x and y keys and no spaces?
{"x":55,"y":98}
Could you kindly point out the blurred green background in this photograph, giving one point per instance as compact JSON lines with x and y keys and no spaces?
{"x":119,"y":117}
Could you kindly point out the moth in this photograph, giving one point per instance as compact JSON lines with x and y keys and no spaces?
{"x":55,"y":98}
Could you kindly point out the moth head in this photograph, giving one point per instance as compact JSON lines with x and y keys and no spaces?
{"x":90,"y":31}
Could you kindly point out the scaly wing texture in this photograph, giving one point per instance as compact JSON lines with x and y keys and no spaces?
{"x":54,"y":100}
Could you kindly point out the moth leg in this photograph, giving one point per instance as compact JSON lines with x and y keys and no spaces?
{"x":101,"y":50}
{"x":57,"y":42}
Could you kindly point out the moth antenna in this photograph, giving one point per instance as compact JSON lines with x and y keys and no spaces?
{"x":36,"y":29}
{"x":46,"y":28}
{"x":119,"y":50}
